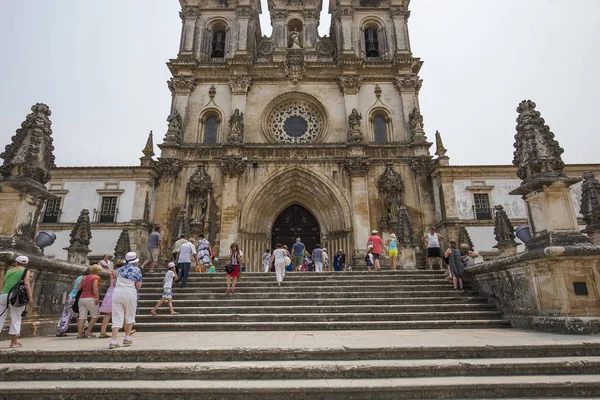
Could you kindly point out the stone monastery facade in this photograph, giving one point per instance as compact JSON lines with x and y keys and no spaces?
{"x":292,"y":135}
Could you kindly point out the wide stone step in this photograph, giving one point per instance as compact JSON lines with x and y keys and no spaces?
{"x":310,"y":289}
{"x":309,"y":275}
{"x":320,"y":325}
{"x":237,"y":301}
{"x":201,"y":284}
{"x":262,"y":370}
{"x":284,"y":294}
{"x":505,"y":386}
{"x":286,"y":309}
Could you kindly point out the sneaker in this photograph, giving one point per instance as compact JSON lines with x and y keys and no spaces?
{"x":127,"y":342}
{"x":113,"y":346}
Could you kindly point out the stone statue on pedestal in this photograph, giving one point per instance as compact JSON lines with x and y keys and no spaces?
{"x":236,"y":126}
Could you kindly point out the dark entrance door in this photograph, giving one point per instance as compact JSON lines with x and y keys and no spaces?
{"x":296,"y":221}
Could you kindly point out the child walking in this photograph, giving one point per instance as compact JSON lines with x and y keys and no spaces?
{"x":167,"y":288}
{"x":369,"y":258}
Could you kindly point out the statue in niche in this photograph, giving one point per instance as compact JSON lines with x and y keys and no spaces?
{"x":393,"y":207}
{"x":354,"y":120}
{"x":197,"y":208}
{"x":174,"y":121}
{"x":295,"y":40}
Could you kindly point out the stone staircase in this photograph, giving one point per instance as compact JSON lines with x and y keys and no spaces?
{"x":317,"y":301}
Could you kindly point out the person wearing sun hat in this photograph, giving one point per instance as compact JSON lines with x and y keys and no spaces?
{"x":124,"y":301}
{"x":12,"y":278}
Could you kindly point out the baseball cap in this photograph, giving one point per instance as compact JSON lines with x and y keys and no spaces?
{"x":22,"y":260}
{"x":171,"y":265}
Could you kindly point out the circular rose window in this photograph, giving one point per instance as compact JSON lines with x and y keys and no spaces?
{"x":295,"y":118}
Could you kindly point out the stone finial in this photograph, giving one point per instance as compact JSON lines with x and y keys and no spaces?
{"x":200,"y":181}
{"x":30,"y":155}
{"x":590,"y":202}
{"x":182,"y":225}
{"x":537,"y":154}
{"x":440,"y":150}
{"x":175,"y":130}
{"x":417,"y":128}
{"x":464,"y":237}
{"x":81,"y":233}
{"x":236,"y":127}
{"x":123,"y":245}
{"x":354,"y":122}
{"x":148,"y":151}
{"x":504,"y":232}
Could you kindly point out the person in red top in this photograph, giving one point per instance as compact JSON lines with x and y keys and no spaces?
{"x":376,"y":242}
{"x":89,"y":301}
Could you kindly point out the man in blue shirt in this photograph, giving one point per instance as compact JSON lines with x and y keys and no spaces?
{"x":298,"y":253}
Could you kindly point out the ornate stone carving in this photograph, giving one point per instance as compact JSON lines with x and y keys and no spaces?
{"x":310,"y":14}
{"x":396,"y":219}
{"x":182,"y":226}
{"x":356,"y":166}
{"x":146,"y":215}
{"x":464,"y":237}
{"x":81,"y":234}
{"x":295,"y":40}
{"x":198,"y":190}
{"x":408,"y":83}
{"x":354,"y":121}
{"x":212,"y":92}
{"x":243,"y":11}
{"x":415,"y":121}
{"x":440,"y":150}
{"x":503,"y":229}
{"x":312,"y":117}
{"x":265,"y":46}
{"x":325,"y":46}
{"x":400,"y":11}
{"x":182,"y":84}
{"x":590,"y":202}
{"x":29,"y":155}
{"x":175,"y":131}
{"x":240,"y":84}
{"x":169,"y":167}
{"x":378,"y":91}
{"x":233,"y":166}
{"x":350,"y":84}
{"x":123,"y":245}
{"x":236,"y":127}
{"x":537,"y":154}
{"x":189,"y":12}
{"x":343,"y":12}
{"x":279,"y":14}
{"x":421,"y":165}
{"x":294,"y":66}
{"x":390,"y":181}
{"x":404,"y":228}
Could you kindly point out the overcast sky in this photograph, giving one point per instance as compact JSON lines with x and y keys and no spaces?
{"x":100,"y":66}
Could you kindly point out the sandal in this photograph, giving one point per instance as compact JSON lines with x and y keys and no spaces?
{"x":16,"y":346}
{"x":174,"y":312}
{"x":61,"y":334}
{"x":82,"y":336}
{"x":132,"y":332}
{"x":153,"y":313}
{"x":90,"y":334}
{"x":104,"y":335}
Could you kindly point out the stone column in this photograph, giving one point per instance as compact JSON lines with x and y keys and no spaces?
{"x":240,"y":85}
{"x":243,"y":17}
{"x":311,"y":18}
{"x":81,"y":235}
{"x":358,"y":170}
{"x":28,"y":161}
{"x":400,"y":15}
{"x":345,"y":15}
{"x":232,"y":168}
{"x":189,"y":17}
{"x":350,"y":85}
{"x":165,"y":198}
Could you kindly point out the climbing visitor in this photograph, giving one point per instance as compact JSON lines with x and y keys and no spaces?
{"x":467,"y":256}
{"x":457,"y":268}
{"x":105,"y":262}
{"x":89,"y":301}
{"x":175,"y":252}
{"x":234,"y":262}
{"x":280,"y":259}
{"x":12,"y":282}
{"x":298,"y":254}
{"x":68,"y":313}
{"x":432,"y":239}
{"x":290,"y":266}
{"x":317,"y":258}
{"x":369,"y":259}
{"x":106,"y":306}
{"x":187,"y":252}
{"x":124,"y":300}
{"x":376,"y":242}
{"x":325,"y":259}
{"x":392,"y":249}
{"x":167,"y":290}
{"x":267,"y":260}
{"x":152,"y":249}
{"x":204,"y":253}
{"x":339,"y":261}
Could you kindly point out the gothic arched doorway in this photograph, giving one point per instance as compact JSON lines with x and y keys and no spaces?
{"x":293,"y":222}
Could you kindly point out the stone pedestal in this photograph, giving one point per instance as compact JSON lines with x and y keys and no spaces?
{"x":409,"y":257}
{"x":78,"y":255}
{"x":506,"y":251}
{"x":20,"y":209}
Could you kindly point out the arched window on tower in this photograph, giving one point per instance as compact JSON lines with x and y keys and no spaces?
{"x":218,"y":42}
{"x":211,"y":127}
{"x":371,"y":43}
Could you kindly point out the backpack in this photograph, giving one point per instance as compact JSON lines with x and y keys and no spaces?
{"x":17,"y":296}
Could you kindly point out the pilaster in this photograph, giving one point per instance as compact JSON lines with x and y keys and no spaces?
{"x":358,"y":169}
{"x":189,"y":18}
{"x":231,"y":169}
{"x":400,"y":15}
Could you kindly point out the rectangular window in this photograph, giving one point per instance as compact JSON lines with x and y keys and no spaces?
{"x":482,"y":207}
{"x":52,"y":210}
{"x":108,"y":212}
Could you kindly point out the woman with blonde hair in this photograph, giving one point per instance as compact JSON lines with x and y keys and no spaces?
{"x":392,"y":249}
{"x":89,"y":301}
{"x":457,"y":268}
{"x":467,"y":256}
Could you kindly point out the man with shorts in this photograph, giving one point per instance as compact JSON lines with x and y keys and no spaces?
{"x":376,"y":242}
{"x":298,"y":253}
{"x":432,"y":240}
{"x":152,"y":249}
